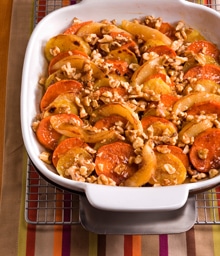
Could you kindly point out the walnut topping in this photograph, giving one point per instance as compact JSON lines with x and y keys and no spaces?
{"x":203,"y":153}
{"x":169,"y":168}
{"x":45,"y":157}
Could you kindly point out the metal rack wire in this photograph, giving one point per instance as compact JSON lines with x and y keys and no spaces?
{"x":46,"y":204}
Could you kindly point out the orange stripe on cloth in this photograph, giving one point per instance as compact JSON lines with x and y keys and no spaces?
{"x":65,"y":2}
{"x":58,"y":229}
{"x":132,"y":245}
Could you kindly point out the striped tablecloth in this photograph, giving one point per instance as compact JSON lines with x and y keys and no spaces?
{"x":19,"y":238}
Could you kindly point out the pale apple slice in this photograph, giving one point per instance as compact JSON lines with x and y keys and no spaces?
{"x":187,"y":101}
{"x":157,"y":85}
{"x":170,"y":170}
{"x":145,"y":32}
{"x":64,"y":103}
{"x":123,"y":54}
{"x":149,"y":68}
{"x":202,"y":85}
{"x":73,"y":158}
{"x":144,"y":174}
{"x":121,"y":110}
{"x":192,"y":129}
{"x":91,"y":28}
{"x":76,"y":62}
{"x":65,"y":43}
{"x":74,"y":129}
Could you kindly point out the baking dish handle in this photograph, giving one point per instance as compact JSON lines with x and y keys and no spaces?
{"x":116,"y":1}
{"x":137,"y":199}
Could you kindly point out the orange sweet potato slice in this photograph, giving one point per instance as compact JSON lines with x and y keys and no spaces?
{"x":208,"y":71}
{"x":54,"y":90}
{"x":163,"y":50}
{"x":65,"y":146}
{"x":46,"y":135}
{"x":205,"y":47}
{"x":112,"y":160}
{"x":206,"y":107}
{"x":205,"y":152}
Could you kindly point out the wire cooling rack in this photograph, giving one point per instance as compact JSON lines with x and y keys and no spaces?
{"x":46,"y":204}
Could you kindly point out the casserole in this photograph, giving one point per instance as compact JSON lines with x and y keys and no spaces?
{"x":106,"y":197}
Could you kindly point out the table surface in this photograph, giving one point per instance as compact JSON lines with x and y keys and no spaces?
{"x":21,"y":238}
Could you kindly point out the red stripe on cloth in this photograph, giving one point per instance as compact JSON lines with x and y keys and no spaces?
{"x":163,"y":244}
{"x":190,"y":242}
{"x":32,"y":213}
{"x":30,"y":241}
{"x":128,"y":245}
{"x":41,"y":9}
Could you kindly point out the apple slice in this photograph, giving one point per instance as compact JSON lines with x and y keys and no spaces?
{"x":170,"y":170}
{"x":143,"y":175}
{"x":145,"y":32}
{"x":193,"y":129}
{"x":90,"y":28}
{"x":187,"y":101}
{"x":65,"y":43}
{"x":121,"y":110}
{"x":149,"y":68}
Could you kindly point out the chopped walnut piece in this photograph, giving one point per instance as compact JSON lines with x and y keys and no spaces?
{"x":169,"y":168}
{"x":45,"y":157}
{"x":103,"y":180}
{"x":203,"y":153}
{"x":213,"y":173}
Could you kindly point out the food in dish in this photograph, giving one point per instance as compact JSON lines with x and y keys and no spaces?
{"x":134,"y":104}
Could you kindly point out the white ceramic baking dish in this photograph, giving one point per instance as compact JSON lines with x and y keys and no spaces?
{"x":202,"y":18}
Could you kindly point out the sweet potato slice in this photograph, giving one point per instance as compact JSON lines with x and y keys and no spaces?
{"x":207,"y":107}
{"x":208,"y":71}
{"x":46,"y":135}
{"x":167,"y":29}
{"x":204,"y":47}
{"x":112,"y":160}
{"x":109,"y":121}
{"x":160,"y":126}
{"x":162,"y":50}
{"x":66,"y":145}
{"x":205,"y":151}
{"x":120,"y":67}
{"x":60,"y":87}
